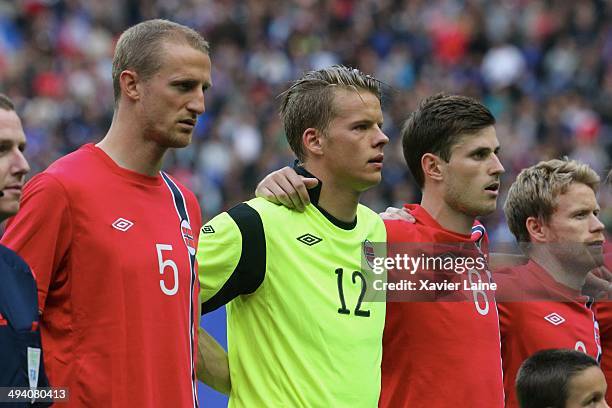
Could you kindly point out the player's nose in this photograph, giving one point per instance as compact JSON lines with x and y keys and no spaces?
{"x":596,"y":225}
{"x":19,"y":165}
{"x":380,"y":139}
{"x":497,"y":167}
{"x":197,"y":103}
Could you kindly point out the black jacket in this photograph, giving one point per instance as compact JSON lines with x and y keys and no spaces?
{"x":19,"y":330}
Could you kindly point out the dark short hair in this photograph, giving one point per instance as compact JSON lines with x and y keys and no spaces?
{"x":542,"y":380}
{"x":140,"y":48}
{"x":437,"y":125}
{"x":6,"y":103}
{"x":309,"y":102}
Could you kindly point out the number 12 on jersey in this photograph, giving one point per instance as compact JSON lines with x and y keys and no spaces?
{"x":343,"y":310}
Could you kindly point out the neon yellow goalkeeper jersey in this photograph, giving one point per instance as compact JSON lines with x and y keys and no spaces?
{"x":301,"y":329}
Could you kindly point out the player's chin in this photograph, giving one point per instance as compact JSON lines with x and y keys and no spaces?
{"x":490,"y":208}
{"x":490,"y":203}
{"x":595,"y":256}
{"x":8,"y":208}
{"x":179,"y":140}
{"x":584,"y":261}
{"x":372,"y":180}
{"x":485,"y":209}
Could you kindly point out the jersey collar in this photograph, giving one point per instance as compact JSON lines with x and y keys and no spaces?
{"x":314,"y":194}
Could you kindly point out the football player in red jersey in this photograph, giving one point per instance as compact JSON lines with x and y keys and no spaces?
{"x":552,"y":211}
{"x":451,"y":147}
{"x":110,"y":237}
{"x":604,"y":314}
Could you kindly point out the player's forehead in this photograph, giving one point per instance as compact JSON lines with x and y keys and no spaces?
{"x":178,"y":59}
{"x":485,"y":138}
{"x":354,"y":103}
{"x":10,"y":127}
{"x":585,"y":384}
{"x":576,"y":196}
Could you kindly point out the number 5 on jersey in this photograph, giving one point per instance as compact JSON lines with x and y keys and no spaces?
{"x":166,"y":265}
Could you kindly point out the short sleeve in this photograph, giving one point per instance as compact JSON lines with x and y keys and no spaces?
{"x":41,"y":231}
{"x":231,"y":256}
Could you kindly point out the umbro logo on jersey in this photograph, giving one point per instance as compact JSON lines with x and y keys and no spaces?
{"x":309,"y":239}
{"x":122,"y":224}
{"x":208,"y":229}
{"x":554,"y":318}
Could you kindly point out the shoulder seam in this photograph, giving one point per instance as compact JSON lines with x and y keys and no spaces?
{"x":66,"y":196}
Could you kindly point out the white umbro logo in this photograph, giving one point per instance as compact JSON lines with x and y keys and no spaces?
{"x":122,"y":224}
{"x":554,"y":318}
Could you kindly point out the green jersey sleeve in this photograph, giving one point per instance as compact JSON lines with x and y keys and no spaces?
{"x":231,"y":256}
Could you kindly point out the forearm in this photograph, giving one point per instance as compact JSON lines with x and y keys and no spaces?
{"x":212,"y":363}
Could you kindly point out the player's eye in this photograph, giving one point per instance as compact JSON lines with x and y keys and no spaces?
{"x":184,"y":86}
{"x":480,"y":154}
{"x":5,"y":147}
{"x":593,"y":401}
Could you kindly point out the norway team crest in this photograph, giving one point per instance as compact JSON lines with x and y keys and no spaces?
{"x":188,"y":237}
{"x":478,"y":232}
{"x":368,"y":253}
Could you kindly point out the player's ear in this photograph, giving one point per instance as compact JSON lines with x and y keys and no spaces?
{"x":536,"y":228}
{"x":432,"y":168}
{"x":313,"y":141}
{"x":128,"y":80}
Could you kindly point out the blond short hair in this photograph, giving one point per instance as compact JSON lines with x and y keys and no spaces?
{"x":140,"y":48}
{"x":309,"y":102}
{"x":535,"y":191}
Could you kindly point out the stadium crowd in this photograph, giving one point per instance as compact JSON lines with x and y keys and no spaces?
{"x":543,"y":67}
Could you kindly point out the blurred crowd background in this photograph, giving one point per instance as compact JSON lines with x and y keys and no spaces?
{"x":544,"y":68}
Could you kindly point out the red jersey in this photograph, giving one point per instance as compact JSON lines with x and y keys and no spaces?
{"x":539,"y":313}
{"x":113,"y":252}
{"x":603,"y":311}
{"x":440,"y":354}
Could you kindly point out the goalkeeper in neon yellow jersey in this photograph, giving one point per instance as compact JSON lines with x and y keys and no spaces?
{"x":302,"y":331}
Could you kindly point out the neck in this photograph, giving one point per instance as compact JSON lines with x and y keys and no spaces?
{"x":335,"y":198}
{"x":449,"y":218}
{"x":560,"y":272}
{"x":126,"y":145}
